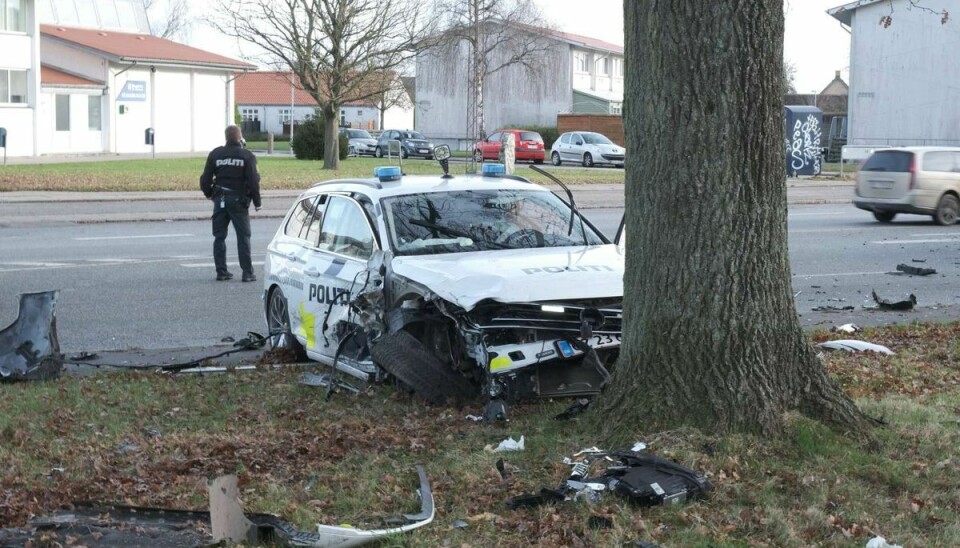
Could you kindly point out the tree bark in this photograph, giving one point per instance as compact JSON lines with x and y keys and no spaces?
{"x":331,"y":137}
{"x":711,"y":338}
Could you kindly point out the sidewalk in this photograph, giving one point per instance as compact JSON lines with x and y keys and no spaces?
{"x":36,"y":208}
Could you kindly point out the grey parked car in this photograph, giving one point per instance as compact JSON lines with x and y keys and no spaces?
{"x":586,"y":148}
{"x":360,"y":142}
{"x":412,"y":143}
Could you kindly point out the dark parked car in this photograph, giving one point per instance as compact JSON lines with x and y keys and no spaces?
{"x":412,"y":143}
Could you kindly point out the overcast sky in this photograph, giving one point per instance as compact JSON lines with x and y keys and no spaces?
{"x":814,"y":42}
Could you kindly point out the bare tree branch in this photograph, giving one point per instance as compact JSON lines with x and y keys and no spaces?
{"x":339,"y":51}
{"x":170,"y":18}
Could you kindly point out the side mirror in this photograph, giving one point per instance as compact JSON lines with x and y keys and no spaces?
{"x":441,"y":152}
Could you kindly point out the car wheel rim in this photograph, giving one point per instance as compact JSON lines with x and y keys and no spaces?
{"x":555,"y":159}
{"x":279,"y":320}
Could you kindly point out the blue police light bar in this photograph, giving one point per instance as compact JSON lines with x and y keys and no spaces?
{"x":493,"y":170}
{"x":387,"y":173}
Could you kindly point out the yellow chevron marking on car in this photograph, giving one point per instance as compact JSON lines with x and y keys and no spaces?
{"x":308,"y":323}
{"x":500,"y":362}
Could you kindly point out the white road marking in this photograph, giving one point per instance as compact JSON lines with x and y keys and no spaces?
{"x":927,"y":241}
{"x":139,"y":237}
{"x":211,"y":265}
{"x":34,"y":265}
{"x":928,"y":234}
{"x":838,"y":274}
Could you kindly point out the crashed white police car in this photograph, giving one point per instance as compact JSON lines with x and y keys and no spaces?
{"x":455,"y":286}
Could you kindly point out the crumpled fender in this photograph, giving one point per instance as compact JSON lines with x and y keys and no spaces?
{"x":29,"y":347}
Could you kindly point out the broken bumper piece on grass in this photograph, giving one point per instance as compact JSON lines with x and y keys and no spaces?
{"x":100,"y":525}
{"x":638,"y":476}
{"x":29,"y":348}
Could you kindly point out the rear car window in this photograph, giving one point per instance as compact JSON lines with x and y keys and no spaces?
{"x":889,"y":160}
{"x":530,"y":136}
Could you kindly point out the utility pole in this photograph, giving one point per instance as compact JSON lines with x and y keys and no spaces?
{"x":291,"y":111}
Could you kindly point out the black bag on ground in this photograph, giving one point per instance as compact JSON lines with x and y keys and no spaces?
{"x":648,"y":480}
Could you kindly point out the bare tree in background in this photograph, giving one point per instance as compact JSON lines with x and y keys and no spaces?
{"x":337,"y":50}
{"x":393,"y":94}
{"x":168,"y":18}
{"x":789,"y":77}
{"x":499,"y":34}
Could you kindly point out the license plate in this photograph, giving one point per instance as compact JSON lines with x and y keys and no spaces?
{"x":423,"y":151}
{"x":881,"y":185}
{"x":604,"y":341}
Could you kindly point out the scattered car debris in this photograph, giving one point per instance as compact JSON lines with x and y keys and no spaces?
{"x":84,"y":356}
{"x":847,"y":328}
{"x":884,"y":304}
{"x":918,"y":260}
{"x":128,"y":447}
{"x":855,"y":346}
{"x":474,"y":418}
{"x":29,"y":347}
{"x":880,"y":542}
{"x":324,"y":380}
{"x":575,"y":409}
{"x":116,"y":525}
{"x":508,"y":444}
{"x":831,"y":308}
{"x":502,"y":469}
{"x":460,"y":524}
{"x":915,"y":271}
{"x":636,"y":475}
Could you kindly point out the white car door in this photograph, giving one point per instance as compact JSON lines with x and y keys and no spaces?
{"x":287,"y":256}
{"x":336,"y":269}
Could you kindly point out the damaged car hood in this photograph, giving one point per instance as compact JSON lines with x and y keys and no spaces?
{"x":518,"y":275}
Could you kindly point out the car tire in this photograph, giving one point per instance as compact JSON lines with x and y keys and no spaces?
{"x":884,"y":216}
{"x":538,"y":162}
{"x":587,"y":160}
{"x":477,"y":155}
{"x":409,"y":361}
{"x":555,"y":159}
{"x":378,"y":152}
{"x":278,"y":325}
{"x":947,"y":210}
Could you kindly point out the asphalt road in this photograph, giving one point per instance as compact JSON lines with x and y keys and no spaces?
{"x":150,"y":285}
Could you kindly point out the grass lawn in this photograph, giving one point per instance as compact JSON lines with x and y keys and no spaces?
{"x":349,"y":460}
{"x":277,"y":172}
{"x":262,"y":145}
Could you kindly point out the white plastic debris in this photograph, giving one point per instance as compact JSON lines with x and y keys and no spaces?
{"x":856,"y":346}
{"x":846,"y":328}
{"x":880,"y":542}
{"x":474,"y":418}
{"x":510,"y":444}
{"x":639,"y":446}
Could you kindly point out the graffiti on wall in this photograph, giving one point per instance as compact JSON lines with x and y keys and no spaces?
{"x":803,"y":147}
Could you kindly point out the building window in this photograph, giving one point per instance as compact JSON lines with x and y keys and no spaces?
{"x":616,"y":108}
{"x":13,"y":15}
{"x":618,"y":67}
{"x":603,"y":66}
{"x":63,"y":113}
{"x":580,"y":62}
{"x":13,"y":86}
{"x":250,"y":115}
{"x":284,"y":115}
{"x":359,"y":113}
{"x":93,"y":112}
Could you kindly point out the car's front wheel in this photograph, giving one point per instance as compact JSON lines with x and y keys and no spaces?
{"x":278,"y":324}
{"x":884,"y":216}
{"x":555,"y":159}
{"x":411,"y":362}
{"x":378,"y":152}
{"x":947,"y":209}
{"x":587,"y":160}
{"x":477,"y":155}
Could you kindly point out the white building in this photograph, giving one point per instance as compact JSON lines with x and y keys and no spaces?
{"x":903,"y":77}
{"x":579,"y":74}
{"x":95,"y":81}
{"x":269,"y":98}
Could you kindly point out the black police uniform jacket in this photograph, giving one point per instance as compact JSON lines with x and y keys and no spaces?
{"x":233,"y":169}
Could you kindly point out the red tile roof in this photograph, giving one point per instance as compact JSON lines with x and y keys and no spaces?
{"x":130,"y":47}
{"x":50,"y":76}
{"x":273,"y":88}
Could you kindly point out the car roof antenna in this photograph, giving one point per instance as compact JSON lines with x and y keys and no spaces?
{"x":573,"y":203}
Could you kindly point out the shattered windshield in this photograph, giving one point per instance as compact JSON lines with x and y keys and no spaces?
{"x":482,"y":220}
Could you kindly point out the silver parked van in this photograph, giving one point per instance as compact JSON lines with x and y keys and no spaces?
{"x":919,"y":180}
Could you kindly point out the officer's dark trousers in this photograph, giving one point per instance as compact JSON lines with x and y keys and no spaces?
{"x":236,"y":210}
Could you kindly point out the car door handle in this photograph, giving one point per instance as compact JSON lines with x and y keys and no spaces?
{"x":312,"y":272}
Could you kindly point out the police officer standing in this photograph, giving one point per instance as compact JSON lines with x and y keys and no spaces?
{"x":231,"y":180}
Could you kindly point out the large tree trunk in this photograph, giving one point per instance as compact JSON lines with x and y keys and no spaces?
{"x":712,"y":338}
{"x":331,"y":137}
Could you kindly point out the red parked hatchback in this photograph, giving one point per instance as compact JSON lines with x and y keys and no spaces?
{"x":529,"y":146}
